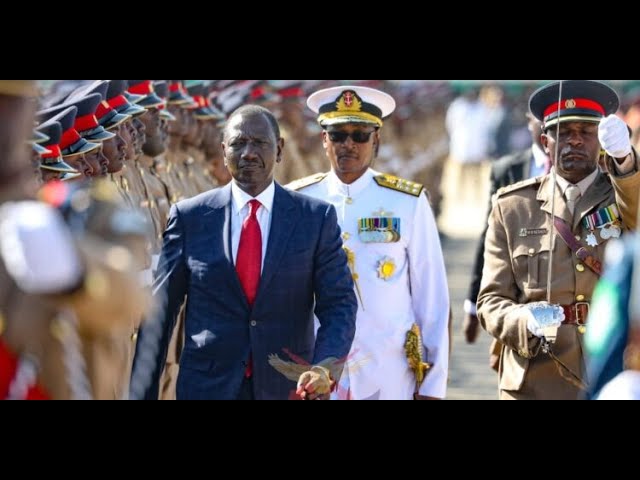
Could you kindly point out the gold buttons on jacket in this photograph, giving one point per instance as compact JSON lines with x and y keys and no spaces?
{"x":134,"y":337}
{"x":580,"y":267}
{"x":532,"y":251}
{"x":580,"y":298}
{"x":346,"y":236}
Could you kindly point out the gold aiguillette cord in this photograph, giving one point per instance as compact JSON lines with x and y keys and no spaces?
{"x":351,"y":261}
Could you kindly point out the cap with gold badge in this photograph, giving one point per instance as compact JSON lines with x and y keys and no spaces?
{"x":582,"y":101}
{"x":351,"y":104}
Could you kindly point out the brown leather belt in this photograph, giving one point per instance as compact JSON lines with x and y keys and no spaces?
{"x":576,"y":314}
{"x":583,"y":253}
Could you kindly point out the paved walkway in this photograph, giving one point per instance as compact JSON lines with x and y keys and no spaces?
{"x":470,"y":377}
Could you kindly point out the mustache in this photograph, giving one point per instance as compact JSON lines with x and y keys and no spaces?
{"x":572,"y":152}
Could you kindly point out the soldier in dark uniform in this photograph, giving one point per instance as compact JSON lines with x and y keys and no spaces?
{"x":571,"y":222}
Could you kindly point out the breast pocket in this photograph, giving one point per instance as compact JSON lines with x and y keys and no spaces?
{"x":531,"y":263}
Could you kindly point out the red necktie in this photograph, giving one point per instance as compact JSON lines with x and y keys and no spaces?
{"x":249,"y":262}
{"x":249,"y":258}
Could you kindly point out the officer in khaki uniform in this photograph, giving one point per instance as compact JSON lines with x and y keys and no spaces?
{"x":590,"y":209}
{"x":393,"y":248}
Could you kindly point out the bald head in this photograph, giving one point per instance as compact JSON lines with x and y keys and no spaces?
{"x":253,"y":110}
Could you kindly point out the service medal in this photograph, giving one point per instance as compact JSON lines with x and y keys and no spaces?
{"x":386,"y":268}
{"x":615,"y":231}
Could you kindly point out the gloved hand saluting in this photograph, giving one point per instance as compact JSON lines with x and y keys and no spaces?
{"x":541,"y":315}
{"x":613,"y":134}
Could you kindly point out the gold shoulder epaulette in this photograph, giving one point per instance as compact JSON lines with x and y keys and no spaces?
{"x":399,"y":184}
{"x":518,"y":186}
{"x":306,"y":181}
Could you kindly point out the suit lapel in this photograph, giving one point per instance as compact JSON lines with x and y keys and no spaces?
{"x":221,"y":224}
{"x":283,"y":220}
{"x":599,"y":192}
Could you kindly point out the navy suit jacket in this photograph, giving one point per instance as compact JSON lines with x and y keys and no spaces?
{"x":304,"y":267}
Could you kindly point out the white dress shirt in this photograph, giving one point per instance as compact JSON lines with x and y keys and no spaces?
{"x":240,"y":210}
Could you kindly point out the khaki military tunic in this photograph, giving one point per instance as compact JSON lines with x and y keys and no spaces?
{"x":158,"y":195}
{"x":198,"y":174}
{"x":516,"y":269}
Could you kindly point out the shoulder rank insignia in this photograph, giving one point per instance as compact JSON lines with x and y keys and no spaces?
{"x":518,"y":186}
{"x":399,"y":184}
{"x":306,"y":181}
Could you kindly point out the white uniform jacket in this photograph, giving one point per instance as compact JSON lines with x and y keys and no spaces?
{"x":397,"y":260}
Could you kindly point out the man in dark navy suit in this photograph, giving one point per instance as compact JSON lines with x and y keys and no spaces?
{"x":255,"y":262}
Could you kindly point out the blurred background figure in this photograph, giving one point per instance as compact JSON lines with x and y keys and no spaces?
{"x":613,"y":340}
{"x":524,"y":164}
{"x":65,"y":255}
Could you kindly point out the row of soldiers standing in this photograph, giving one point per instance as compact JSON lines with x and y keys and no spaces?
{"x":69,"y":265}
{"x":154,"y":143}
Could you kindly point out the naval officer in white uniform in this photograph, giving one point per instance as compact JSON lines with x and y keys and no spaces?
{"x":394,"y":251}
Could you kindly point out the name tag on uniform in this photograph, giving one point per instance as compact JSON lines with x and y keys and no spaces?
{"x":379,"y":230}
{"x":533,"y":232}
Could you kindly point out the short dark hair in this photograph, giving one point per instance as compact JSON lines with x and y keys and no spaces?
{"x":249,"y":110}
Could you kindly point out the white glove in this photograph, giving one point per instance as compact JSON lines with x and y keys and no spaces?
{"x":541,"y":315}
{"x":37,"y":248}
{"x":614,"y":136}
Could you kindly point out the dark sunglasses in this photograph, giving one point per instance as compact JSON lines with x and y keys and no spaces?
{"x":357,"y":136}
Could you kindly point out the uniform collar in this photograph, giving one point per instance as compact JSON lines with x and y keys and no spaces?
{"x":583,"y":185}
{"x":240,"y":198}
{"x":597,"y":190}
{"x":353,"y":189}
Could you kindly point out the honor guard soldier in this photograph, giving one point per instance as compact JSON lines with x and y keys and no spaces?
{"x":394,"y":252}
{"x":55,"y":284}
{"x":72,"y":146}
{"x":52,"y":166}
{"x":556,"y":228}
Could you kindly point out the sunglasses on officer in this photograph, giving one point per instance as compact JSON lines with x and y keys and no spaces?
{"x":357,"y":136}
